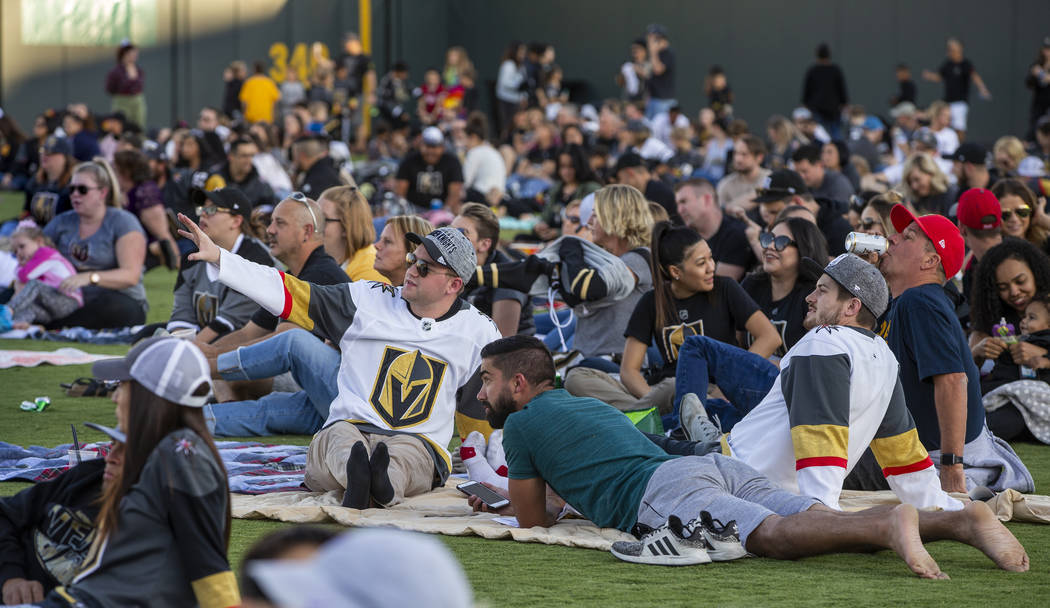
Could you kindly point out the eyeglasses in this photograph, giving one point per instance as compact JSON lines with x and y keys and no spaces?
{"x":572,"y":219}
{"x":868,"y":222}
{"x":780,"y":243}
{"x":1022,"y":212}
{"x":299,"y":197}
{"x":211,"y":210}
{"x":81,"y":189}
{"x":329,"y":220}
{"x":423,"y":266}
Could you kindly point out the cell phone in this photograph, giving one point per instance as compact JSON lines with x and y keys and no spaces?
{"x":487,"y":496}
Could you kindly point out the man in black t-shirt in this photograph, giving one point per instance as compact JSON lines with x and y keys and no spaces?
{"x":359,"y":68}
{"x":725,"y":235}
{"x":631,"y":169}
{"x":296,"y":238}
{"x":431,"y":173}
{"x":661,"y":83}
{"x":509,"y":309}
{"x":824,"y":91}
{"x":956,"y":72}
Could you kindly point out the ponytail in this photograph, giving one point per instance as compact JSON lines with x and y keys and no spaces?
{"x":668,"y":247}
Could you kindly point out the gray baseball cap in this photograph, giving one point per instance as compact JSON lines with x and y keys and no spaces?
{"x":168,"y":367}
{"x":856,"y":276}
{"x":113,"y":433}
{"x":449,"y":247}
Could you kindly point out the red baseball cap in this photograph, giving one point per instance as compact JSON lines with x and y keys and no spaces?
{"x":979,"y":209}
{"x":942,"y":233}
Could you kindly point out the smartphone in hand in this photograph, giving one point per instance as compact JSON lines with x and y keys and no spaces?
{"x":487,"y":496}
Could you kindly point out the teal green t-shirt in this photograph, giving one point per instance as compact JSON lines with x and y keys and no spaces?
{"x":589,"y":453}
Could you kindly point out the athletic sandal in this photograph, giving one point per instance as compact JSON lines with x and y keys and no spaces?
{"x":358,"y":478}
{"x":668,"y":545}
{"x":723,"y":540}
{"x":89,"y":387}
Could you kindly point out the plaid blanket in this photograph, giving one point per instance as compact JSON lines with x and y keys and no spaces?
{"x":252,"y":468}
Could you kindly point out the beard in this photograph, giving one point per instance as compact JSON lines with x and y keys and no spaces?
{"x":817,"y":318}
{"x":499,"y":408}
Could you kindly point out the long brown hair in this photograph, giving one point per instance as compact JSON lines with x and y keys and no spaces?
{"x":150,"y":420}
{"x":669,"y":244}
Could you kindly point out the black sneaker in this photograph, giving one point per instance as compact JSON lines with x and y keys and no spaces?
{"x":723,"y":540}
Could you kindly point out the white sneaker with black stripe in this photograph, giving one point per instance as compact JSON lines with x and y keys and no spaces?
{"x":667,"y":545}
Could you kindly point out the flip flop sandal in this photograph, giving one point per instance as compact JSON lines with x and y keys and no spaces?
{"x":89,"y":387}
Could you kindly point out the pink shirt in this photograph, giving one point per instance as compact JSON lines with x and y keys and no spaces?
{"x":49,"y":267}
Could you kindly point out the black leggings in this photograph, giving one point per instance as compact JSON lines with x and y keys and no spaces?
{"x":1007,"y":424}
{"x":108,"y":309}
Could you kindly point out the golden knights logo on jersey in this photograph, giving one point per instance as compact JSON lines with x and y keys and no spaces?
{"x":406,"y":387}
{"x":674,"y":335}
{"x":62,"y":543}
{"x":205,"y":306}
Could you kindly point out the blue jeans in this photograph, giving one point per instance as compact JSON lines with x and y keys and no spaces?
{"x":743,"y":377}
{"x":545,"y":326}
{"x":313,"y":364}
{"x":658,"y":106}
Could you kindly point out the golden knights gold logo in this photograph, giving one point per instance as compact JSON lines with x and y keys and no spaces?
{"x":206,"y":307}
{"x":675,"y":335}
{"x":406,"y":387}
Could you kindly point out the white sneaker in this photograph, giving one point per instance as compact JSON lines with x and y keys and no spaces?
{"x":667,"y":545}
{"x":723,"y":540}
{"x":695,"y":423}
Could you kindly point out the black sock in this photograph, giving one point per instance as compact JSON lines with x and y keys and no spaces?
{"x":382,"y":489}
{"x":358,"y":478}
{"x":518,"y":276}
{"x":579,"y":283}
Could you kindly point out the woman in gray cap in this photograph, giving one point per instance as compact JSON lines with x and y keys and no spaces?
{"x":166,"y":518}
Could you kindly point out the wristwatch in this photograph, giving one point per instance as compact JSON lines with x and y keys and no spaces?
{"x":95,"y":278}
{"x":948,"y":459}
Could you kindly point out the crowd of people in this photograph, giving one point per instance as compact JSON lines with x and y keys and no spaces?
{"x":844,"y":299}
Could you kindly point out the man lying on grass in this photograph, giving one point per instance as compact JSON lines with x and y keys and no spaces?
{"x":591,"y":455}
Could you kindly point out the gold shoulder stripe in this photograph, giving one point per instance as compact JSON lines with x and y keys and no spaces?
{"x":218,"y":590}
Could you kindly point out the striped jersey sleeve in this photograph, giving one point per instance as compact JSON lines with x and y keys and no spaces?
{"x":816,"y":390}
{"x":328,"y":308}
{"x":904,"y":461}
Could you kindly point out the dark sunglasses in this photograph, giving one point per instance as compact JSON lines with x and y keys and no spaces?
{"x":81,"y":189}
{"x":423,"y":266}
{"x":1022,"y":212}
{"x":299,"y":197}
{"x":867,"y":223}
{"x":211,"y":210}
{"x":780,"y":243}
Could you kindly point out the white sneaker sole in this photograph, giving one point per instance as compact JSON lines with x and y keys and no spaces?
{"x":664,"y":560}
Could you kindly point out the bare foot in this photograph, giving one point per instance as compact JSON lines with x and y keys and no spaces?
{"x":989,"y":535}
{"x":904,"y":538}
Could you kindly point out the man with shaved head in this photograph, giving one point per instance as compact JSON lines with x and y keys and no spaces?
{"x":296,"y":239}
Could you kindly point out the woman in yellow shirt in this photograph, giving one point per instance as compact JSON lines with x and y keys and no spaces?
{"x":349,"y":232}
{"x":258,"y":96}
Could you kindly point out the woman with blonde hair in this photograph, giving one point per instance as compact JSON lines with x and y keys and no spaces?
{"x":349,"y":233}
{"x":619,"y":223}
{"x":925,"y":186}
{"x":107,"y":246}
{"x":1007,"y":154}
{"x":393,"y":246}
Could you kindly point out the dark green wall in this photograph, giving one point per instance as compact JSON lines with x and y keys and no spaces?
{"x":764,"y":46}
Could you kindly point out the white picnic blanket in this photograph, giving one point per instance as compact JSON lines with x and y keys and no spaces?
{"x":32,"y":358}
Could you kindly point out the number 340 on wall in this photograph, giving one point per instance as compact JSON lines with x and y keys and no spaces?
{"x":304,"y":63}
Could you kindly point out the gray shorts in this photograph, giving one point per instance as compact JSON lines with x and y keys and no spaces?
{"x":725,"y":487}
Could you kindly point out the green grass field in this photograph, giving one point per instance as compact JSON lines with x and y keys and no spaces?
{"x":507,"y":573}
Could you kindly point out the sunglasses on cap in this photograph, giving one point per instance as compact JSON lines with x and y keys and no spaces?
{"x":210,"y":210}
{"x":857,"y":203}
{"x":780,"y":243}
{"x":81,"y":189}
{"x":1022,"y":212}
{"x":423,"y":266}
{"x":299,"y":197}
